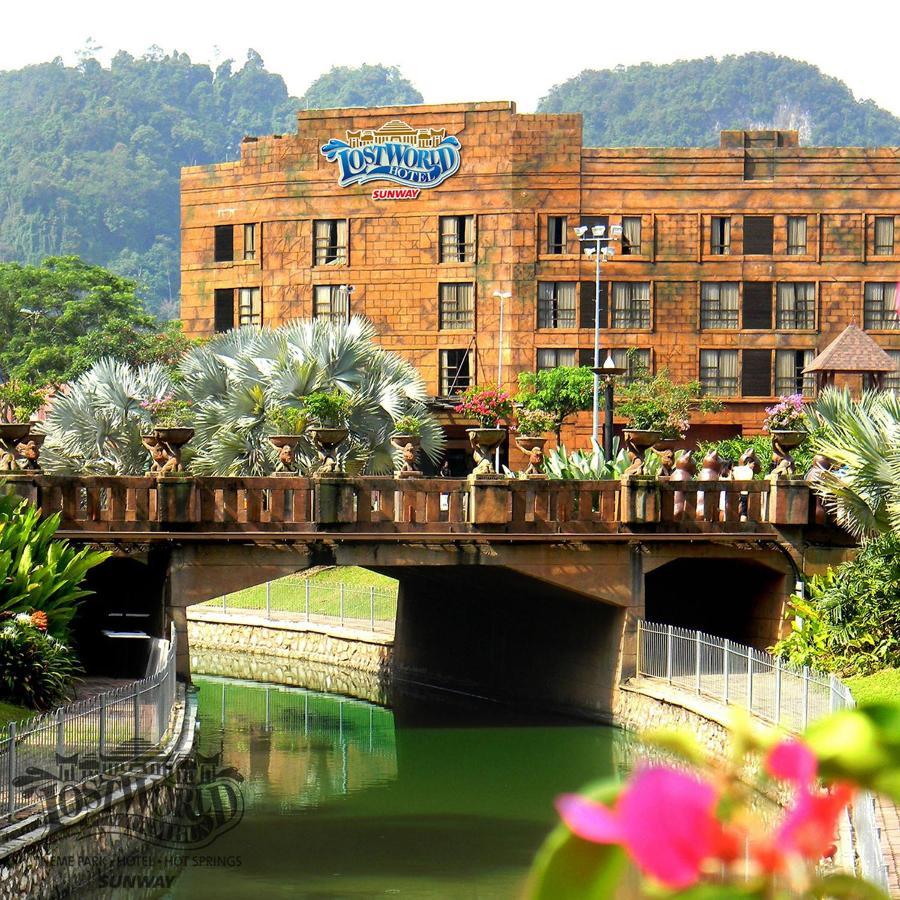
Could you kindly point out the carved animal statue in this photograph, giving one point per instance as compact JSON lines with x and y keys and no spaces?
{"x":163,"y":459}
{"x":286,"y":458}
{"x":409,"y":460}
{"x":30,"y":452}
{"x":711,"y":468}
{"x":783,"y":462}
{"x":637,"y":464}
{"x":8,"y":461}
{"x":749,"y":460}
{"x":535,"y":461}
{"x":685,"y":470}
{"x":666,"y":461}
{"x":483,"y":464}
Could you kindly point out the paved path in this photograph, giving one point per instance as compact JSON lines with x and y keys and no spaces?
{"x":888,"y":819}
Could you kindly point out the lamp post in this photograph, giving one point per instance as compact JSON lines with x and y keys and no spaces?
{"x":607,"y":372}
{"x":601,"y":250}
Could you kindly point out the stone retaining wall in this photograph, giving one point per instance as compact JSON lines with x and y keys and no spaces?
{"x":47,"y":861}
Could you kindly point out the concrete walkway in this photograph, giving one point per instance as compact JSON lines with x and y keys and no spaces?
{"x":887,"y":818}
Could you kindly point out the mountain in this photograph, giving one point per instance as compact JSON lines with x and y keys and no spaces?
{"x":687,"y":103}
{"x":90,"y":156}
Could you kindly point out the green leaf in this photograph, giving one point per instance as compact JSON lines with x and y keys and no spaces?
{"x":837,"y":886}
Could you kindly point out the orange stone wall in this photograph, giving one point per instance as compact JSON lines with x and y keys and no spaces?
{"x":515,"y":171}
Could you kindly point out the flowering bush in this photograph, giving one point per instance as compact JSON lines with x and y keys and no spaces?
{"x":656,"y":403}
{"x":487,"y":405}
{"x":689,"y":829}
{"x":533,"y":422}
{"x":167,"y":412}
{"x":786,"y":415}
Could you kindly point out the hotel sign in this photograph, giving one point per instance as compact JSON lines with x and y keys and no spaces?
{"x":416,"y":158}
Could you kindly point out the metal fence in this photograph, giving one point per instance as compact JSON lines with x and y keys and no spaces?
{"x":43,"y":755}
{"x":772,"y":690}
{"x":352,"y":606}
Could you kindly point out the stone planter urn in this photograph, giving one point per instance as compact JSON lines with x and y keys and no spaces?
{"x":782,"y":444}
{"x":327,"y":440}
{"x":483,"y":441}
{"x":637,"y":442}
{"x":165,"y":446}
{"x":409,"y":444}
{"x":286,"y":444}
{"x":533,"y":446}
{"x":11,"y":433}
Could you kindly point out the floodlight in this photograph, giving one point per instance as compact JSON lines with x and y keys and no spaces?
{"x":581,"y":230}
{"x":616,"y":231}
{"x":598,"y":230}
{"x":502,"y":295}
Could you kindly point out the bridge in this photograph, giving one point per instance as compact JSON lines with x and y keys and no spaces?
{"x":517,"y":588}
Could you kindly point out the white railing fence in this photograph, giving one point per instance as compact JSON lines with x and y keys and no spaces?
{"x":771,"y":689}
{"x":82,"y":740}
{"x":355,"y":606}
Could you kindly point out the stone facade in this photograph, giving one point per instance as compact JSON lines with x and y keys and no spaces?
{"x":518,"y":171}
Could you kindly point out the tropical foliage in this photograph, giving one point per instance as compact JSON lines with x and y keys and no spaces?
{"x":327,"y":409}
{"x":691,"y":829}
{"x":849,"y":620}
{"x":687,"y":103}
{"x":533,"y":421}
{"x":18,"y":400}
{"x":39,"y":574}
{"x":559,"y":392}
{"x":656,"y":403}
{"x":862,"y":437}
{"x":36,"y":668}
{"x":733,"y":448}
{"x":592,"y":465}
{"x":363,"y":85}
{"x":58,"y":318}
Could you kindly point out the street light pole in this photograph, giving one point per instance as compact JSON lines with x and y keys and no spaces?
{"x":601,"y":249}
{"x":501,"y":296}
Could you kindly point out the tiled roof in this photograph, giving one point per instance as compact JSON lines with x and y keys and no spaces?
{"x":852,"y":351}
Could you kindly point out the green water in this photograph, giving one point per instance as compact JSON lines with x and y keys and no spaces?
{"x":433,"y":798}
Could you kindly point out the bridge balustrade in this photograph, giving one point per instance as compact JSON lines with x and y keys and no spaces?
{"x":401,"y":505}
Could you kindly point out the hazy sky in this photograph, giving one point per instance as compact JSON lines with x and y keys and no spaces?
{"x":470,"y":49}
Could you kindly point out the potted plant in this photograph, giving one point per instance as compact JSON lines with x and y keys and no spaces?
{"x":171,"y":420}
{"x":328,"y":411}
{"x":17,"y":403}
{"x":488,"y":406}
{"x":530,"y":438}
{"x":288,"y":423}
{"x":407,"y":438}
{"x":785,"y":424}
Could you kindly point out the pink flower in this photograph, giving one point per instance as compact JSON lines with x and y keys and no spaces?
{"x":664,"y":818}
{"x":793,"y":761}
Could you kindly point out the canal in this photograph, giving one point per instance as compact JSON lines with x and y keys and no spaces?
{"x":438,"y":796}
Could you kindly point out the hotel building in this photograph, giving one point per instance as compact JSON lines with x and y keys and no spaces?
{"x":736,"y":266}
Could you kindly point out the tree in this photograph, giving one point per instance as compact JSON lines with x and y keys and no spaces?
{"x":58,"y":318}
{"x":863,"y":438}
{"x":561,"y":392}
{"x":360,"y":86}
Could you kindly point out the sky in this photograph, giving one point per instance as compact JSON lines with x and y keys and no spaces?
{"x":461,"y":50}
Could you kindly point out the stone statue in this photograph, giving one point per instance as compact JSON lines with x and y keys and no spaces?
{"x":783,"y":462}
{"x":483,"y":464}
{"x":666,"y":461}
{"x":286,"y":458}
{"x":685,"y":470}
{"x":748,"y":466}
{"x":30,"y":451}
{"x":164,"y":461}
{"x":535,"y":461}
{"x":711,"y":470}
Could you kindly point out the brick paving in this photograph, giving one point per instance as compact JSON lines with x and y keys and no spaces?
{"x":887,"y":817}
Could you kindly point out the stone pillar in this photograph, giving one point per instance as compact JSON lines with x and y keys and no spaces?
{"x":174,"y":499}
{"x":489,"y":501}
{"x":640,"y":499}
{"x":335,"y":501}
{"x":789,"y":501}
{"x":636,"y":610}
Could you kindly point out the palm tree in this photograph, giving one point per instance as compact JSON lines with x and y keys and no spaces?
{"x":233,"y":382}
{"x":863,"y":438}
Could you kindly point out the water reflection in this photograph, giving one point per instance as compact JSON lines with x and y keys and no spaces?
{"x":437,"y":797}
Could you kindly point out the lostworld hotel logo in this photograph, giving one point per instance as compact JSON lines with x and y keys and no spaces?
{"x":416,"y":158}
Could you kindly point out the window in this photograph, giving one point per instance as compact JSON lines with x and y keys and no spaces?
{"x":759,"y":235}
{"x":331,"y":301}
{"x":635,"y":362}
{"x":457,"y":239}
{"x":457,"y":309}
{"x":789,"y":377}
{"x":249,"y":306}
{"x":879,"y":306}
{"x":756,"y":373}
{"x":250,"y":242}
{"x":720,"y":236}
{"x":796,"y":305}
{"x":556,"y":304}
{"x":591,"y":222}
{"x":551,"y":358}
{"x":884,"y":236}
{"x":718,"y":372}
{"x":719,"y":304}
{"x":587,"y":305}
{"x":631,"y":304}
{"x":223,"y":312}
{"x":892,"y":379}
{"x":456,"y":371}
{"x":556,"y":234}
{"x":631,"y":235}
{"x":796,"y":235}
{"x":331,"y":242}
{"x":757,"y":305}
{"x":224,"y":243}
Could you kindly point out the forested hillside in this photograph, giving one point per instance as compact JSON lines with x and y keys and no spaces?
{"x":686,"y":103}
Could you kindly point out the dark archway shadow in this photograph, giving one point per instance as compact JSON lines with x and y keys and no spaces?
{"x":738,"y":599}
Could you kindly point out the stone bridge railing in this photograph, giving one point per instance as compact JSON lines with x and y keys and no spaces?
{"x":378,"y":505}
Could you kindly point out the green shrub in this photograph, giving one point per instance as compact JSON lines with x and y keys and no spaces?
{"x":38,"y":573}
{"x":733,"y":448}
{"x":592,"y":465}
{"x":327,"y":409}
{"x":410,"y":425}
{"x":287,"y":420}
{"x":36,"y":669}
{"x":851,"y":615}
